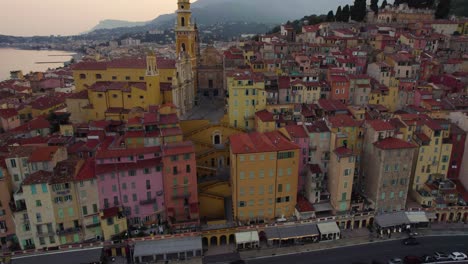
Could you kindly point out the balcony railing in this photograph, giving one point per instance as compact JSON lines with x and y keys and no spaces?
{"x":69,"y":231}
{"x":148,"y":201}
{"x":46,"y":234}
{"x":93,"y":225}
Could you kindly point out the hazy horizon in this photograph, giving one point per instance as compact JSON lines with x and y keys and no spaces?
{"x":58,"y":17}
{"x":65,"y":18}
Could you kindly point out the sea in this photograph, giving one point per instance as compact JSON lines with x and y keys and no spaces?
{"x":30,"y":60}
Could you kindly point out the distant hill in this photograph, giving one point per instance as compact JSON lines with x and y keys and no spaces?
{"x":209,"y":12}
{"x":110,"y":24}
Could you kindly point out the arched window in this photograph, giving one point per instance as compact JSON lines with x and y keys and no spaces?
{"x":183,"y":46}
{"x":182,"y":21}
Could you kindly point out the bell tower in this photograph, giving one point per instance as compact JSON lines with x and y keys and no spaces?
{"x":186,"y":36}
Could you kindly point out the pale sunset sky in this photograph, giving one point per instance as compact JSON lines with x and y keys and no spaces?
{"x":69,"y":17}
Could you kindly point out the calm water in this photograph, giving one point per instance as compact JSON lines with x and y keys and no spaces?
{"x":26,"y":60}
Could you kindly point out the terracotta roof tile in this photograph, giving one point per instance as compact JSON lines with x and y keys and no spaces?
{"x":8,"y":113}
{"x":393,"y":143}
{"x":38,"y":177}
{"x":260,"y":142}
{"x":297,"y":131}
{"x":42,"y":154}
{"x":380,"y":125}
{"x":265,"y":116}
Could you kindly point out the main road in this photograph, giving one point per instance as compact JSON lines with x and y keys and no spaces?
{"x":380,"y":251}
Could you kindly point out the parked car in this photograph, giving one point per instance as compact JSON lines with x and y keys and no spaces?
{"x":441,"y":256}
{"x":410,"y":241}
{"x":395,"y":261}
{"x":458,"y":256}
{"x":428,"y":259}
{"x":412,"y":260}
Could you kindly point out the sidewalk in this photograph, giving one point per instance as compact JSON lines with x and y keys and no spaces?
{"x":349,"y":238}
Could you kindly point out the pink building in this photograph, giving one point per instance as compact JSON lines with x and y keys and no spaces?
{"x":7,"y":226}
{"x":299,"y":135}
{"x":132,"y":179}
{"x":180,"y":185}
{"x":9,"y":119}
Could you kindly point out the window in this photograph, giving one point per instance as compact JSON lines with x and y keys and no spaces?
{"x":242,"y":175}
{"x":124,"y":186}
{"x":347,"y":172}
{"x":38,"y":217}
{"x":71,"y":212}
{"x":85,"y":210}
{"x":286,"y":155}
{"x":288,"y":187}
{"x":251,"y":190}
{"x":187,"y":168}
{"x":261,"y":174}
{"x":383,"y":196}
{"x":400,"y":194}
{"x":134,"y":197}
{"x":82,"y":76}
{"x":33,"y":189}
{"x":387,"y":168}
{"x":251,"y":175}
{"x":146,"y":171}
{"x":131,"y":173}
{"x":396,"y":167}
{"x":343,"y":196}
{"x":114,"y":78}
{"x":345,"y":185}
{"x":280,"y":187}
{"x":13,"y":163}
{"x":127,"y":78}
{"x":125,"y":198}
{"x":148,"y":184}
{"x":38,"y":203}
{"x":95,"y":208}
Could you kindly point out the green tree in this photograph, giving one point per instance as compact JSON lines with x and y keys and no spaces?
{"x":330,"y":16}
{"x":374,"y":6}
{"x":384,"y":4}
{"x":346,"y":14}
{"x":443,"y":9}
{"x":359,"y":10}
{"x":339,"y":14}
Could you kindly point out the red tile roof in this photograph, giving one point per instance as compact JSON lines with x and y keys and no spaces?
{"x":332,"y":105}
{"x":46,"y":102}
{"x":42,"y":154}
{"x":139,"y":164}
{"x":8,"y":113}
{"x":87,"y":171}
{"x":284,"y":82}
{"x":110,"y":212}
{"x":343,"y":152}
{"x":393,"y":143}
{"x":80,"y":95}
{"x":126,"y":63}
{"x":317,"y":127}
{"x":117,"y":153}
{"x":260,"y":142}
{"x":380,"y":125}
{"x":264,"y":116}
{"x":297,"y":131}
{"x":186,"y":147}
{"x":303,"y":205}
{"x":38,"y":177}
{"x":343,"y":121}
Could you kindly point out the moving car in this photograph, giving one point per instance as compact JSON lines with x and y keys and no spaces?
{"x":441,"y":256}
{"x":410,"y":241}
{"x":428,"y":259}
{"x":395,"y":261}
{"x":458,"y":256}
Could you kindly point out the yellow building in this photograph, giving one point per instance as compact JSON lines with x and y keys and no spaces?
{"x":341,"y":178}
{"x":432,"y":161}
{"x":264,"y":121}
{"x":246,"y":97}
{"x":264,"y":176}
{"x":113,"y":222}
{"x":116,"y":87}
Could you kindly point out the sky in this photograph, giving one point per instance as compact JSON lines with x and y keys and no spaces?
{"x":69,"y":17}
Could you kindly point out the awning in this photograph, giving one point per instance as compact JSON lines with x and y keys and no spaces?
{"x":417,"y":217}
{"x":431,"y":215}
{"x":247,"y":237}
{"x":291,"y":232}
{"x":392,"y":219}
{"x":328,"y":228}
{"x":167,"y":246}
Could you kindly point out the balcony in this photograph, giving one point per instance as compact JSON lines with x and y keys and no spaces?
{"x":45,"y":234}
{"x":93,"y":225}
{"x":148,"y":201}
{"x":181,"y":196}
{"x":68,"y":231}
